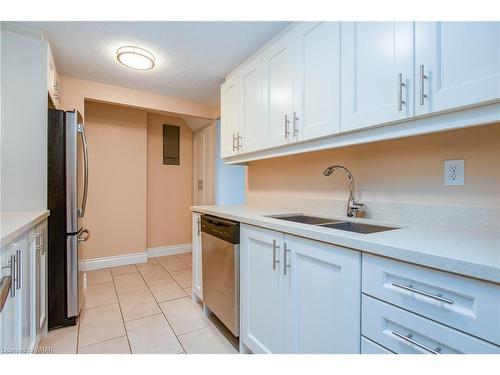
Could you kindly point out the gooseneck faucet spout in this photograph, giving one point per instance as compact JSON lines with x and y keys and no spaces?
{"x":353,"y":207}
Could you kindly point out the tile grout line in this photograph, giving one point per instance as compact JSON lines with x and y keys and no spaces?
{"x":189,"y":268}
{"x":163,"y":313}
{"x":121,"y":312}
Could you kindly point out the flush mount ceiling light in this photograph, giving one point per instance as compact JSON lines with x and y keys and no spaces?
{"x":135,"y":58}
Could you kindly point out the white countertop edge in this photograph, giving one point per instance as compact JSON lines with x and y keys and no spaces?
{"x":458,"y":266}
{"x":20,"y":223}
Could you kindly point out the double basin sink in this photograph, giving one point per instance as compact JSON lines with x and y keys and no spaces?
{"x":349,"y":226}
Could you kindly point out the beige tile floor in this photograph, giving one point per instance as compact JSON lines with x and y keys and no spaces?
{"x":143,"y":308}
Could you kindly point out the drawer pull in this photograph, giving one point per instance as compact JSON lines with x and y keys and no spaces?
{"x":408,"y":338}
{"x":422,"y":292}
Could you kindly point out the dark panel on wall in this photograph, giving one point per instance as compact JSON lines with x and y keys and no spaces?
{"x":171,"y":145}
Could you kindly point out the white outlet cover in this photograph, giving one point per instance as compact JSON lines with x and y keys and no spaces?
{"x":454,"y":172}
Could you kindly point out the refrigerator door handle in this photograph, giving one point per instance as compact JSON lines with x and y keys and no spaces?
{"x":81,"y":131}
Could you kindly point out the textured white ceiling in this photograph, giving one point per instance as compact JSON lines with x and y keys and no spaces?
{"x":191,"y":57}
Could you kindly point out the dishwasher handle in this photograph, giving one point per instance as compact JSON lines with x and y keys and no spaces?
{"x":226,"y":230}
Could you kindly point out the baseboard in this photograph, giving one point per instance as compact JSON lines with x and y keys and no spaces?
{"x":113,"y":261}
{"x":125,"y":260}
{"x":169,"y":250}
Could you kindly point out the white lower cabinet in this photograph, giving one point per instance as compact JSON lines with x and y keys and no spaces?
{"x":22,"y":319}
{"x":370,"y":347}
{"x":298,"y":295}
{"x":403,"y":332}
{"x":196,"y":254}
{"x":261,"y":290}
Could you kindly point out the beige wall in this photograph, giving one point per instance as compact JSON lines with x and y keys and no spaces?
{"x":116,"y":211}
{"x":408,"y":170}
{"x":169,"y":187}
{"x":75,"y":91}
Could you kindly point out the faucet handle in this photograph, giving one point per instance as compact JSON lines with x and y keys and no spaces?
{"x":357,"y":209}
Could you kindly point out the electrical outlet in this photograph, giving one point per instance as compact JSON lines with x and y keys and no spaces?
{"x":454,"y":172}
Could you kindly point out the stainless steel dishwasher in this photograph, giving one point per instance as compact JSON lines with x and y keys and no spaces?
{"x":220,"y":255}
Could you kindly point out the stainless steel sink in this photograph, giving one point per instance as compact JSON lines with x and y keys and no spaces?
{"x":357,"y":227}
{"x":333,"y":223}
{"x":304,"y":219}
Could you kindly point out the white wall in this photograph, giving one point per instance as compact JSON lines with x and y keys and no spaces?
{"x":23,"y":122}
{"x":230,"y":180}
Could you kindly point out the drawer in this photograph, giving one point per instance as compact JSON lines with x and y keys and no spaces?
{"x":469,"y":305}
{"x":369,"y":347}
{"x":404,"y":332}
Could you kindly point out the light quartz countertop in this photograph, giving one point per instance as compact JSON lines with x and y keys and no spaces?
{"x":470,"y":253}
{"x":14,"y":223}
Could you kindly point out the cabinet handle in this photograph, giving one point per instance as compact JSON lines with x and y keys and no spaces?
{"x":287,"y":131}
{"x":401,"y":84}
{"x":295,"y":124}
{"x":285,"y":257}
{"x":199,"y":226}
{"x":18,"y":272}
{"x":422,"y":292}
{"x":234,"y":140}
{"x":408,"y":338}
{"x":275,"y":261}
{"x":423,"y":77}
{"x":239,"y":141}
{"x":13,"y":274}
{"x":5,"y":287}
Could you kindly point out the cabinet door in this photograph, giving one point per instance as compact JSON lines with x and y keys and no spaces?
{"x":261,"y":290}
{"x":322,"y":298}
{"x":457,"y":64}
{"x":196,"y":253}
{"x":8,"y":315}
{"x":229,"y":116}
{"x":26,"y":251}
{"x":316,"y":80}
{"x":377,"y":73}
{"x":251,"y":105}
{"x":277,"y":63}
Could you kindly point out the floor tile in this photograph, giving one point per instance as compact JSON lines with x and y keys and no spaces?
{"x":206,"y":340}
{"x":189,"y":291}
{"x":60,"y":341}
{"x":155,"y":272}
{"x":166,"y":289}
{"x":131,"y":282}
{"x":185,"y":258}
{"x":99,"y":276}
{"x":172,"y":263}
{"x":183,"y":277}
{"x":152,"y":335}
{"x":150,"y":262}
{"x":99,"y":295}
{"x":113,"y":346}
{"x":184,"y":315}
{"x":138,"y":304}
{"x":123,"y":270}
{"x":99,"y":324}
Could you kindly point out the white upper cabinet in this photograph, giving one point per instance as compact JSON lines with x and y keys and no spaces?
{"x":251,"y":105}
{"x":320,"y":85}
{"x":377,"y":72}
{"x":229,"y":117}
{"x":277,"y":63}
{"x":316,"y":80}
{"x":457,"y":64}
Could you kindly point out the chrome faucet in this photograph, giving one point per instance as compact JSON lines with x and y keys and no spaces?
{"x":353,"y":207}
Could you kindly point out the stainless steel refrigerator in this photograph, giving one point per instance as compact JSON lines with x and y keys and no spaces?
{"x":66,"y":199}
